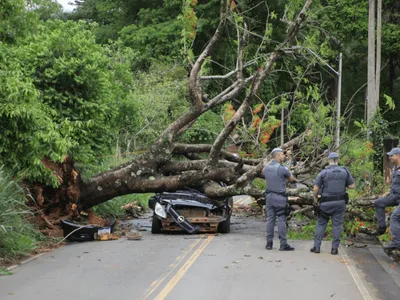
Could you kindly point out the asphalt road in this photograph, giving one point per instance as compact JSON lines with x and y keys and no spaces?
{"x":231,"y":266}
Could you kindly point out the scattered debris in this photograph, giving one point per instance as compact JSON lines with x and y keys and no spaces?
{"x":80,"y":233}
{"x":133,"y":209}
{"x":108,"y":237}
{"x":133,"y":235}
{"x":246,"y":210}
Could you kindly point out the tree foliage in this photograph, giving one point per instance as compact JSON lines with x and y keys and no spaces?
{"x":59,"y":96}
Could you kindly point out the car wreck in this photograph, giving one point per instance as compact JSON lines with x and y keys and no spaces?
{"x":191,"y":211}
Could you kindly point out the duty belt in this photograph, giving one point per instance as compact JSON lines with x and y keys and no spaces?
{"x":278,"y":193}
{"x":332,"y":198}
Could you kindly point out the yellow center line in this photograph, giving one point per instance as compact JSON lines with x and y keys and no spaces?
{"x":156,"y":283}
{"x":178,"y":276}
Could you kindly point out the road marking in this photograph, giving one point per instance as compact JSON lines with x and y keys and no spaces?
{"x":356,"y":277}
{"x":156,"y":283}
{"x":178,"y":276}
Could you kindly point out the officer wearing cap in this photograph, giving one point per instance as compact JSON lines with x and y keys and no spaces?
{"x":276,"y":198}
{"x":331,"y":183}
{"x":391,"y":198}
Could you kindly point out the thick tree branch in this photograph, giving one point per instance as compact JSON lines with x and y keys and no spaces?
{"x":182,"y":166}
{"x":206,"y":148}
{"x":229,"y":93}
{"x":194,"y":84}
{"x":220,"y":140}
{"x":296,"y":141}
{"x":295,"y":26}
{"x":110,"y":185}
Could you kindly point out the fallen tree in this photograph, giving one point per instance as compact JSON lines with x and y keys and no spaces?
{"x":169,"y":164}
{"x":157,"y":170}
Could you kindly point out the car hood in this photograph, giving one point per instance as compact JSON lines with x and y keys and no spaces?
{"x":189,"y":198}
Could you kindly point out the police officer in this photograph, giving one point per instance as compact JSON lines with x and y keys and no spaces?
{"x":276,"y":198}
{"x":331,"y":183}
{"x":391,"y":198}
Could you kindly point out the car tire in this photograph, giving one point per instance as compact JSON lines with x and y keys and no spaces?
{"x":156,"y":226}
{"x":225,"y":226}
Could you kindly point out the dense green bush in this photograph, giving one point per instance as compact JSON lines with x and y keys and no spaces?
{"x":59,"y":96}
{"x":357,"y":156}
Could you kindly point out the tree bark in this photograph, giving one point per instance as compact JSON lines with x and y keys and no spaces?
{"x":378,"y":50}
{"x":371,"y":96}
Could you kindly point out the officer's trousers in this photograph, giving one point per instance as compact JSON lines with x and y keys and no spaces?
{"x":335,"y":211}
{"x":381,"y":204}
{"x":276,"y":208}
{"x":395,"y":226}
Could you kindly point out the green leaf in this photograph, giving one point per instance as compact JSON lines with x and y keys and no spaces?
{"x":389,"y":102}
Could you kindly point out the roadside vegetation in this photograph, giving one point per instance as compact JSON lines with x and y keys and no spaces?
{"x":18,"y":237}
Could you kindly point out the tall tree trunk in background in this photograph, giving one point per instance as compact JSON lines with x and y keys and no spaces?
{"x":378,"y":50}
{"x":371,"y":96}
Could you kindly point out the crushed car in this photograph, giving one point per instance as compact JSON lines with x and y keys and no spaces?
{"x":191,"y":211}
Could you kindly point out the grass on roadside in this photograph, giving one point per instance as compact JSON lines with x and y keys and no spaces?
{"x":307,"y":232}
{"x":4,"y":271}
{"x":17,"y":236}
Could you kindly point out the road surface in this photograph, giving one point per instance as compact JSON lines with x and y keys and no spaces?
{"x":180,"y":266}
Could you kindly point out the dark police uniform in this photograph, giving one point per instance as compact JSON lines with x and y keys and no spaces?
{"x":332,"y":182}
{"x":276,"y":199}
{"x":392,"y":199}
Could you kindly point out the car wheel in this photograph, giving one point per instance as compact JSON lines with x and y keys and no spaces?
{"x":156,"y":226}
{"x":225,"y":226}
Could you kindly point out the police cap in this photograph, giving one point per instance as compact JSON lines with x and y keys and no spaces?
{"x":276,"y":150}
{"x":333,"y":155}
{"x":394,"y":151}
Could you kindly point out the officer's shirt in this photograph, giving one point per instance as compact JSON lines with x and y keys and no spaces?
{"x":333,"y":181}
{"x":275,"y":176}
{"x":395,"y":188}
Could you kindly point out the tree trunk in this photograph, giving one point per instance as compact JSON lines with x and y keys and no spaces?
{"x":371,"y":96}
{"x":378,"y":51}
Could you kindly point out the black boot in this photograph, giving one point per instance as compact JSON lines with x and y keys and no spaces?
{"x":315,"y":250}
{"x":334,"y":251}
{"x":268,"y":246}
{"x":389,"y":248}
{"x":381,"y":230}
{"x":286,"y":247}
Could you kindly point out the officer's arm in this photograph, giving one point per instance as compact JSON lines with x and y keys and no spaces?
{"x":350,"y":180}
{"x":317,"y":185}
{"x":351,"y":186}
{"x":316,"y":192}
{"x":288,"y":175}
